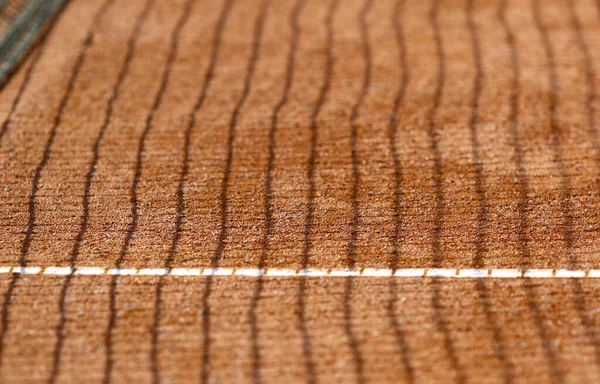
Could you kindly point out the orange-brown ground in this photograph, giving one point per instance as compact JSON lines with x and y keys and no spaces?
{"x":294,"y":134}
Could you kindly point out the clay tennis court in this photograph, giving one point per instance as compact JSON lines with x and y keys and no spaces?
{"x":311,"y":191}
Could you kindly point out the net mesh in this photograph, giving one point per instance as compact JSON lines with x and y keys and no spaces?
{"x":20,"y":23}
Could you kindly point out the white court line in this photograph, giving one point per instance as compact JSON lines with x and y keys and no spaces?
{"x":440,"y":273}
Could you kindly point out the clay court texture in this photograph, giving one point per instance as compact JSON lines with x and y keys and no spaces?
{"x":303,"y":191}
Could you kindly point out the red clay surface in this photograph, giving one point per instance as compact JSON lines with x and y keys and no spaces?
{"x":329,"y":134}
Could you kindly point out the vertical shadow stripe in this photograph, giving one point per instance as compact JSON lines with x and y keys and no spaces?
{"x":206,"y":320}
{"x":555,"y":371}
{"x":556,"y":144}
{"x":208,"y":76}
{"x":556,"y":147}
{"x":438,"y":176}
{"x":523,"y":205}
{"x":133,"y":224}
{"x":309,"y":363}
{"x":508,"y":368}
{"x":35,"y":184}
{"x":565,"y":192}
{"x":480,"y":247}
{"x":351,"y":261}
{"x":590,"y":76}
{"x":434,"y":138}
{"x":482,"y":217}
{"x":403,"y":347}
{"x":87,"y":189}
{"x":268,"y":199}
{"x":56,"y":123}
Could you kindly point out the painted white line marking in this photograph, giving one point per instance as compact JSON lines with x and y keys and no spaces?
{"x":539,"y":273}
{"x":27,"y":270}
{"x":594,"y":273}
{"x":409,"y":272}
{"x":281,"y":272}
{"x":58,"y":271}
{"x":473,"y":273}
{"x":379,"y":272}
{"x":90,"y":271}
{"x":344,"y":272}
{"x":218,"y":272}
{"x":249,"y":272}
{"x":153,"y":271}
{"x":313,"y":272}
{"x":569,"y":273}
{"x":505,"y":273}
{"x":186,"y":272}
{"x":443,"y":273}
{"x":121,"y":271}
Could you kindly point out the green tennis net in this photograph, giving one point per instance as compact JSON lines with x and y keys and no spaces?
{"x":20,"y":22}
